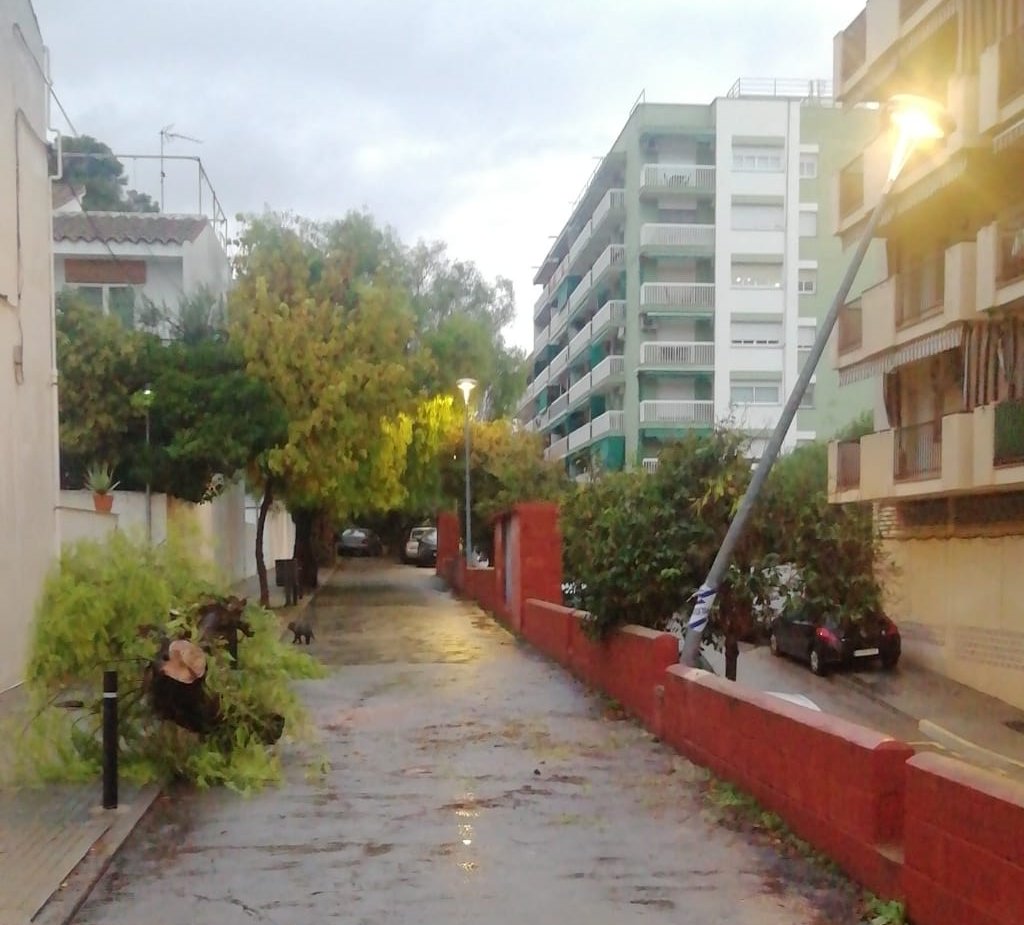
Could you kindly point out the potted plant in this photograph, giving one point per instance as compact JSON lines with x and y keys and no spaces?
{"x":100,"y":481}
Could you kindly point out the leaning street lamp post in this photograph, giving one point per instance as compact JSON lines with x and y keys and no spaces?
{"x":147,"y":401}
{"x":466,"y":386}
{"x":914,"y":121}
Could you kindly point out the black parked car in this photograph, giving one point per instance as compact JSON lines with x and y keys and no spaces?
{"x":830,"y":642}
{"x":359,"y":541}
{"x":426,"y":549}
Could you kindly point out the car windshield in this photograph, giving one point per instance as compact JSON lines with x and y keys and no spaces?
{"x":429,"y":537}
{"x":419,"y":532}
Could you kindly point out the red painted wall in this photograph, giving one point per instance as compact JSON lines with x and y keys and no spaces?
{"x":448,"y":535}
{"x":964,"y":845}
{"x":479,"y":586}
{"x":547,"y":626}
{"x":839,"y":785}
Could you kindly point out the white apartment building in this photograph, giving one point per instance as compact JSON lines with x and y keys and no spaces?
{"x":687,"y":284}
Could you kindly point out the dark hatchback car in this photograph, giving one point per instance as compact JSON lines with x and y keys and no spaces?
{"x":830,"y":642}
{"x":359,"y":541}
{"x":426,"y":549}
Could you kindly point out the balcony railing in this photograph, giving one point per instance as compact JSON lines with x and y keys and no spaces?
{"x":541,"y":339}
{"x":613,"y":257}
{"x":677,"y":235}
{"x":558,"y":407}
{"x":611,"y":422}
{"x":580,"y":342}
{"x":851,"y":326}
{"x":558,"y":324}
{"x":678,"y":295}
{"x":677,"y":413}
{"x":851,"y":188}
{"x":917,"y":451}
{"x":1011,"y":249}
{"x":610,"y":314}
{"x":1009,"y":439}
{"x":677,"y":178}
{"x":854,"y":46}
{"x":688,"y":355}
{"x":650,"y":463}
{"x":559,"y":363}
{"x":909,"y":7}
{"x":848,"y":465}
{"x":1011,"y":67}
{"x":614,"y":201}
{"x":581,"y":241}
{"x":579,"y":437}
{"x":608,"y":368}
{"x":579,"y":390}
{"x":580,"y":293}
{"x":921,"y":290}
{"x":557,"y":450}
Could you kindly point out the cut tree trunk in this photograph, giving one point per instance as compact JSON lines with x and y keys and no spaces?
{"x":305,"y":554}
{"x":261,"y":520}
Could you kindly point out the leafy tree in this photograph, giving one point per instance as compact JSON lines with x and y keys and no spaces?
{"x":507,"y":465}
{"x":333,"y":348}
{"x":102,"y":174}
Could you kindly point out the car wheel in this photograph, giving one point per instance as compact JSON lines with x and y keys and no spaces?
{"x":890,"y":661}
{"x":818,"y":663}
{"x":773,"y":644}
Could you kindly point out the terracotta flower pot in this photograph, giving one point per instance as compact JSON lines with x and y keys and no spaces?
{"x":103,"y":503}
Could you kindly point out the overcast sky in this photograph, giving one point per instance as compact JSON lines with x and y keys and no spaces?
{"x":473,"y":121}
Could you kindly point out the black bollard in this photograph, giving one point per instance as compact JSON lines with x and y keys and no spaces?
{"x":110,"y":740}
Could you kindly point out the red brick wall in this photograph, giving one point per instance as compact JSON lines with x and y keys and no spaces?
{"x":448,"y":535}
{"x":839,"y":785}
{"x":964,"y":845}
{"x":537,"y":557}
{"x":479,"y":586}
{"x":547,"y":626}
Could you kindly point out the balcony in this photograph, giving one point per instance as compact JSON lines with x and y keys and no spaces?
{"x":686,"y":298}
{"x":851,"y":327}
{"x":539,"y":383}
{"x":608,"y":424}
{"x":669,"y":239}
{"x":852,"y":48}
{"x":558,"y":407}
{"x":917,"y":451}
{"x":580,"y":342}
{"x":557,"y":450}
{"x":677,"y":413}
{"x":541,"y":339}
{"x":611,"y":314}
{"x":909,"y":7}
{"x":614,"y":202}
{"x":581,"y":242}
{"x":1011,"y":67}
{"x":559,"y":363}
{"x":848,"y":465}
{"x":609,"y":370}
{"x":579,"y":438}
{"x":558,"y":325}
{"x":685,"y":356}
{"x":1008,"y":442}
{"x":650,"y":464}
{"x":851,"y":188}
{"x":677,"y":178}
{"x":1000,"y":265}
{"x":921,"y":292}
{"x":580,"y":293}
{"x":612,"y":259}
{"x":579,"y":390}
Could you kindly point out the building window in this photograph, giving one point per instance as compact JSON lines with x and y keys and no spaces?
{"x":756,"y":217}
{"x":808,"y":223}
{"x":756,"y":333}
{"x":119,"y":301}
{"x":754,"y":393}
{"x":807,"y":282}
{"x":757,"y":158}
{"x":757,"y":275}
{"x":90,"y":295}
{"x":808,"y":166}
{"x":808,"y":398}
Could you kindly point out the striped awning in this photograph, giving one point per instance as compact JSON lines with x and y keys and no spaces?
{"x":920,"y":349}
{"x":1009,"y":136}
{"x":930,"y":184}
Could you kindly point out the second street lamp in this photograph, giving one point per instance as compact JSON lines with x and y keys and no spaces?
{"x":147,"y":401}
{"x":914,"y":121}
{"x":466,"y":386}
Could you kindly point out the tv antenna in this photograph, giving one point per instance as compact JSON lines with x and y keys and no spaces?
{"x":166,"y":135}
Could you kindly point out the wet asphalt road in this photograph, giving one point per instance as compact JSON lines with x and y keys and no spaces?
{"x":470,"y":781}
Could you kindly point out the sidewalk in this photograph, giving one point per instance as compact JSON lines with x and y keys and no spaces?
{"x":911,"y":703}
{"x":56,"y":841}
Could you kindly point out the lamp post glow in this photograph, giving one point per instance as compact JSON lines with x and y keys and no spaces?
{"x":915,"y":121}
{"x":466,"y":386}
{"x":147,"y":399}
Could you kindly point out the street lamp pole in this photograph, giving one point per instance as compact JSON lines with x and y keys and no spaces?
{"x":915,"y":120}
{"x":147,"y":394}
{"x":466,"y":386}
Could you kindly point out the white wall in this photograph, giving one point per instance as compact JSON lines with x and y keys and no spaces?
{"x":75,"y":524}
{"x":28,"y":407}
{"x":129,"y":508}
{"x":206,"y":264}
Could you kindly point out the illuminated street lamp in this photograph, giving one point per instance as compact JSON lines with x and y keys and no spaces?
{"x":915,"y":122}
{"x":466,"y":386}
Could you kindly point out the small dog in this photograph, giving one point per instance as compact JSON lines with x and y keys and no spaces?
{"x":302,"y":631}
